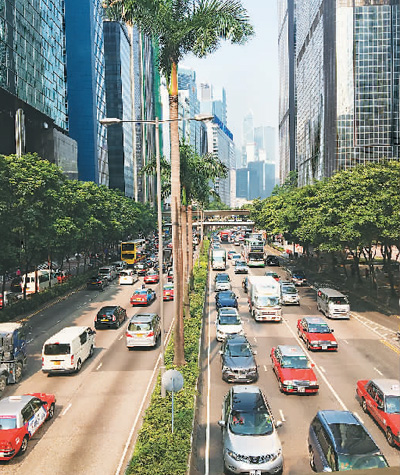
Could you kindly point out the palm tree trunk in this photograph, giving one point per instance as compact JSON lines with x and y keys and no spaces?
{"x":186,"y":309}
{"x":190,"y":244}
{"x":179,"y":356}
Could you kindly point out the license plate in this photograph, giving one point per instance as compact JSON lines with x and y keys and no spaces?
{"x":139,"y":335}
{"x":324,"y":347}
{"x":57,"y":363}
{"x":302,"y":390}
{"x":255,"y":472}
{"x":104,"y":319}
{"x":242,"y":376}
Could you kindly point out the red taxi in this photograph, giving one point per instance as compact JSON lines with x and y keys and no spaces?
{"x":20,"y":418}
{"x":168,"y":292}
{"x":381,"y":399}
{"x":316,"y":334}
{"x":143,"y":297}
{"x":151,"y":277}
{"x":293,"y":370}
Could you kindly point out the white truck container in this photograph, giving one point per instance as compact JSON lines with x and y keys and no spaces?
{"x":264,"y":299}
{"x":218,"y":259}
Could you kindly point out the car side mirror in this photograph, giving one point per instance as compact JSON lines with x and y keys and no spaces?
{"x":278,"y":424}
{"x":254,"y":352}
{"x":221,"y":424}
{"x":332,"y":330}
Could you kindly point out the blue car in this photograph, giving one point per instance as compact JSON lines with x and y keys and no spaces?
{"x":226,"y":298}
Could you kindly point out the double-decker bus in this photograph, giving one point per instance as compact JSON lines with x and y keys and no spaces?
{"x":132,"y":251}
{"x":254,"y":253}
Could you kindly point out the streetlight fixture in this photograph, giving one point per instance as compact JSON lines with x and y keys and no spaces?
{"x":113,"y":121}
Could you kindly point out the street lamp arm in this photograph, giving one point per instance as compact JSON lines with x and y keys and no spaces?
{"x":113,"y":120}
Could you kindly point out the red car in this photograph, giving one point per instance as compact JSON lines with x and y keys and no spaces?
{"x":316,"y":334}
{"x":381,"y":399}
{"x":20,"y":418}
{"x":151,"y":277}
{"x":293,"y":370}
{"x":143,"y":297}
{"x":168,"y":292}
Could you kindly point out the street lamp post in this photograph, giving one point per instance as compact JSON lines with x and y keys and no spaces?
{"x":156,"y":122}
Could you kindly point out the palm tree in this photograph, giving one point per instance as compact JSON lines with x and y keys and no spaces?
{"x":181,"y":27}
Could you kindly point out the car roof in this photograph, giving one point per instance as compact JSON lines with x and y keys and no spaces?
{"x":143,"y":317}
{"x":235,"y":339}
{"x":315,"y":320}
{"x":246,"y":398}
{"x":109,"y":308}
{"x":9,"y":327}
{"x":338,"y":417}
{"x":226,"y":293}
{"x":331,"y":292}
{"x":388,"y":386}
{"x":227,"y":310}
{"x":221,"y":274}
{"x":13,"y":405}
{"x":66,"y":333}
{"x":291,"y":350}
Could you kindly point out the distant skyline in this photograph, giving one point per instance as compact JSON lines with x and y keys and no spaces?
{"x":249,"y":73}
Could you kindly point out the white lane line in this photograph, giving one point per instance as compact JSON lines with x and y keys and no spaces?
{"x":29,"y":341}
{"x":67,"y":409}
{"x":207,"y":455}
{"x":379,"y":372}
{"x":120,"y":338}
{"x":98,"y":367}
{"x":322,"y":369}
{"x":282,"y":415}
{"x":358,"y":417}
{"x":346,"y":341}
{"x":265,"y":368}
{"x":58,"y":321}
{"x":255,"y":340}
{"x":335,"y":394}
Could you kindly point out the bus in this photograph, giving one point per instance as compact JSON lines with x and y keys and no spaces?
{"x":132,"y":251}
{"x":254,"y":253}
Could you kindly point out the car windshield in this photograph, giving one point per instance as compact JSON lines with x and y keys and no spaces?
{"x":8,"y":422}
{"x":354,"y":462}
{"x":352,"y":439}
{"x":251,"y":423}
{"x":55,"y":349}
{"x":319,"y":328}
{"x":242,"y":349}
{"x":265,"y":301}
{"x":240,"y":263}
{"x":140,"y":292}
{"x":236,"y":256}
{"x":393,"y":404}
{"x":338,"y":300}
{"x":139,"y":327}
{"x":289,"y":290}
{"x":226,"y":295}
{"x":229,"y":320}
{"x":125,"y":273}
{"x":168,"y":287}
{"x":222,"y":278}
{"x":296,"y":362}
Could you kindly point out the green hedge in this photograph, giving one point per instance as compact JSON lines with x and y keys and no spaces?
{"x":35,"y":301}
{"x":157,"y":450}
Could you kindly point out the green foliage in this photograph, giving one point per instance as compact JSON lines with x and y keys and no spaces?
{"x":157,"y":450}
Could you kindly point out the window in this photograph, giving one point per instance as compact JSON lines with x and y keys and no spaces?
{"x":371,"y":390}
{"x":57,"y":349}
{"x":27,"y":413}
{"x":83,"y":337}
{"x":36,"y":404}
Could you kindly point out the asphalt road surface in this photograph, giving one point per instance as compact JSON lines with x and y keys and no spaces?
{"x":98,"y":409}
{"x":366,"y":350}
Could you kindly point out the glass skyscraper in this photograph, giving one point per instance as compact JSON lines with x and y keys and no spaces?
{"x":347,"y":84}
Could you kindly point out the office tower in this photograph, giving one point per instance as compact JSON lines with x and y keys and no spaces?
{"x":287,"y":102}
{"x":117,"y":53}
{"x":86,"y":87}
{"x":248,"y":129}
{"x":32,"y":80}
{"x":347,"y":85}
{"x":264,"y":139}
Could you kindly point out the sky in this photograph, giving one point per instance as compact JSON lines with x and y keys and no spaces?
{"x":249,"y":73}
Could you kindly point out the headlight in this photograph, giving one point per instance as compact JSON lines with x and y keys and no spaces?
{"x":314,"y":343}
{"x":313,"y":383}
{"x":288,"y":382}
{"x":238,"y":457}
{"x":226,"y":368}
{"x":276,"y":455}
{"x":253,"y":370}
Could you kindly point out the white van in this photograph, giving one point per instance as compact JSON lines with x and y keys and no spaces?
{"x":65,"y":351}
{"x":332,"y":303}
{"x":128,"y":276}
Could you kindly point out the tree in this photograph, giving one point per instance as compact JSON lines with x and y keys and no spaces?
{"x":181,"y":27}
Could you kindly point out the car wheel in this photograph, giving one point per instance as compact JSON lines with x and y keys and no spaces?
{"x":390,"y":438}
{"x":24,"y":445}
{"x":3,"y":383}
{"x":50,"y":414}
{"x":18,"y":372}
{"x":364,"y":405}
{"x":311,"y":458}
{"x":91,"y":351}
{"x":78,"y":366}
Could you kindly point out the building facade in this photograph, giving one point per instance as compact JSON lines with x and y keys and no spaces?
{"x":117,"y":48}
{"x":347,"y":84}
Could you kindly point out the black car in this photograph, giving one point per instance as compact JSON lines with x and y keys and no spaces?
{"x":16,"y":284}
{"x":112,"y":316}
{"x":97,"y":282}
{"x":141,"y":268}
{"x":226,"y":298}
{"x":237,"y":360}
{"x":272,"y":260}
{"x":245,"y":284}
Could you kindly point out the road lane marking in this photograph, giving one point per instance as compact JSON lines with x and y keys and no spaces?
{"x":335,"y":394}
{"x":120,"y":338}
{"x":255,"y":340}
{"x":379,"y":372}
{"x":265,"y":368}
{"x":392,"y":347}
{"x":323,"y":369}
{"x":358,"y":417}
{"x":98,"y":367}
{"x":207,"y":455}
{"x":282,"y":415}
{"x":345,"y":341}
{"x":67,"y":409}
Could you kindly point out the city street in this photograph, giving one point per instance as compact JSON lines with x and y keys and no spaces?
{"x":364,"y":352}
{"x":97,"y":409}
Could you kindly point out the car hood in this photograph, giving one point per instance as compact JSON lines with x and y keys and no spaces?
{"x":229,"y":328}
{"x":253,"y":445}
{"x":321,"y":337}
{"x":298,"y":374}
{"x":239,"y":362}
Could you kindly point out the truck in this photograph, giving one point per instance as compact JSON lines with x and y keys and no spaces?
{"x":13,"y":356}
{"x":218,"y":259}
{"x":225,"y":236}
{"x":264,"y":299}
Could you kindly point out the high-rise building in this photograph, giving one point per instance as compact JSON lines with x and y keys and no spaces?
{"x":347,"y":84}
{"x":264,"y":138}
{"x":287,"y":102}
{"x":86,"y":87}
{"x":32,"y":80}
{"x":248,"y":129}
{"x":117,"y":51}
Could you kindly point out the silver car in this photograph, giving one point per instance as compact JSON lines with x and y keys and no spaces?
{"x":250,"y":440}
{"x":289,"y":295}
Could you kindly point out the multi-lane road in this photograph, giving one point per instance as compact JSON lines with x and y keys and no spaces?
{"x":366,"y":350}
{"x":98,"y":409}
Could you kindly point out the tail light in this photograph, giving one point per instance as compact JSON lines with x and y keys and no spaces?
{"x":42,"y":360}
{"x":150,"y":334}
{"x":128,"y":335}
{"x":72,"y":359}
